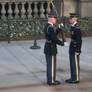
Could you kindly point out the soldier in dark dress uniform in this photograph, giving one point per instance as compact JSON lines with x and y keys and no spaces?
{"x":75,"y":49}
{"x":50,"y":48}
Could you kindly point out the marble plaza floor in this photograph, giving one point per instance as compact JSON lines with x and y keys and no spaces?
{"x":24,"y":70}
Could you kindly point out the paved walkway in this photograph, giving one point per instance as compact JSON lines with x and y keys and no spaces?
{"x":24,"y":70}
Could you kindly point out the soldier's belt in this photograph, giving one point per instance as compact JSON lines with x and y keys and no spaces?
{"x":48,"y":41}
{"x":73,"y":40}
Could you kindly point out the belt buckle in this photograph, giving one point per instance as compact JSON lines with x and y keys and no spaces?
{"x":48,"y":41}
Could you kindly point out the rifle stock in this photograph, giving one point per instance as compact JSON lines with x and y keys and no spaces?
{"x":58,"y":18}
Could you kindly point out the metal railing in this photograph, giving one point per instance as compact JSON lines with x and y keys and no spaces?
{"x":20,"y":27}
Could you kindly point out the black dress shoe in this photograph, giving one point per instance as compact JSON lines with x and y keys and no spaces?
{"x":72,"y":81}
{"x":76,"y":81}
{"x":55,"y":83}
{"x":68,"y":80}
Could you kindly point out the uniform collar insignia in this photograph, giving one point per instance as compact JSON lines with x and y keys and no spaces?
{"x":74,"y":24}
{"x":50,"y":23}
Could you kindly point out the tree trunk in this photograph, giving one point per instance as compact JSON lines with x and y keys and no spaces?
{"x":58,"y":4}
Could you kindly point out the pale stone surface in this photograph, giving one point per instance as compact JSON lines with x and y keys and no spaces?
{"x":24,"y":70}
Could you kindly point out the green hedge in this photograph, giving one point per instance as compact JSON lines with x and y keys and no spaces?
{"x":19,"y":28}
{"x":22,"y":28}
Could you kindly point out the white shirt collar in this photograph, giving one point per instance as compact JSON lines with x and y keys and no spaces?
{"x":74,"y":23}
{"x":50,"y":23}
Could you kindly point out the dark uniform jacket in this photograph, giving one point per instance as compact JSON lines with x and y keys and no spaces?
{"x":76,"y":39}
{"x":50,"y":47}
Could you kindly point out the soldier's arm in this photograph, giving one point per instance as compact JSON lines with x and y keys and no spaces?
{"x":54,"y":37}
{"x":58,"y":31}
{"x":78,"y":40}
{"x":60,"y":28}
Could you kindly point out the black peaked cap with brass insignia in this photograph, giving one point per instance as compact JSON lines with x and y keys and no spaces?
{"x":72,"y":15}
{"x":52,"y":15}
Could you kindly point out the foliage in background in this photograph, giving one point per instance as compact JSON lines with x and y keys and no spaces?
{"x":86,"y":24}
{"x":3,"y":29}
{"x":19,"y":28}
{"x":22,"y":28}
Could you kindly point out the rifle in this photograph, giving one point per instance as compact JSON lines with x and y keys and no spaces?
{"x":59,"y":21}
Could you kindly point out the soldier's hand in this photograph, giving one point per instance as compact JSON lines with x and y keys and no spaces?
{"x":62,"y":44}
{"x":76,"y":53}
{"x":66,"y":44}
{"x":61,"y":25}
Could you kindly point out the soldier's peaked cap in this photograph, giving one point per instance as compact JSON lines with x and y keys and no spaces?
{"x":74,"y":15}
{"x":52,"y":15}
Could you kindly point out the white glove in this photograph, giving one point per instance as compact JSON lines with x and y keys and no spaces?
{"x":66,"y":44}
{"x":77,"y":53}
{"x":61,"y":25}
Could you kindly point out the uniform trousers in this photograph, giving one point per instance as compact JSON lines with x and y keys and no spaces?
{"x":51,"y":68}
{"x":74,"y":67}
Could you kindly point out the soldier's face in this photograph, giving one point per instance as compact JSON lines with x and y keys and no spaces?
{"x":72,"y":20}
{"x":54,"y":20}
